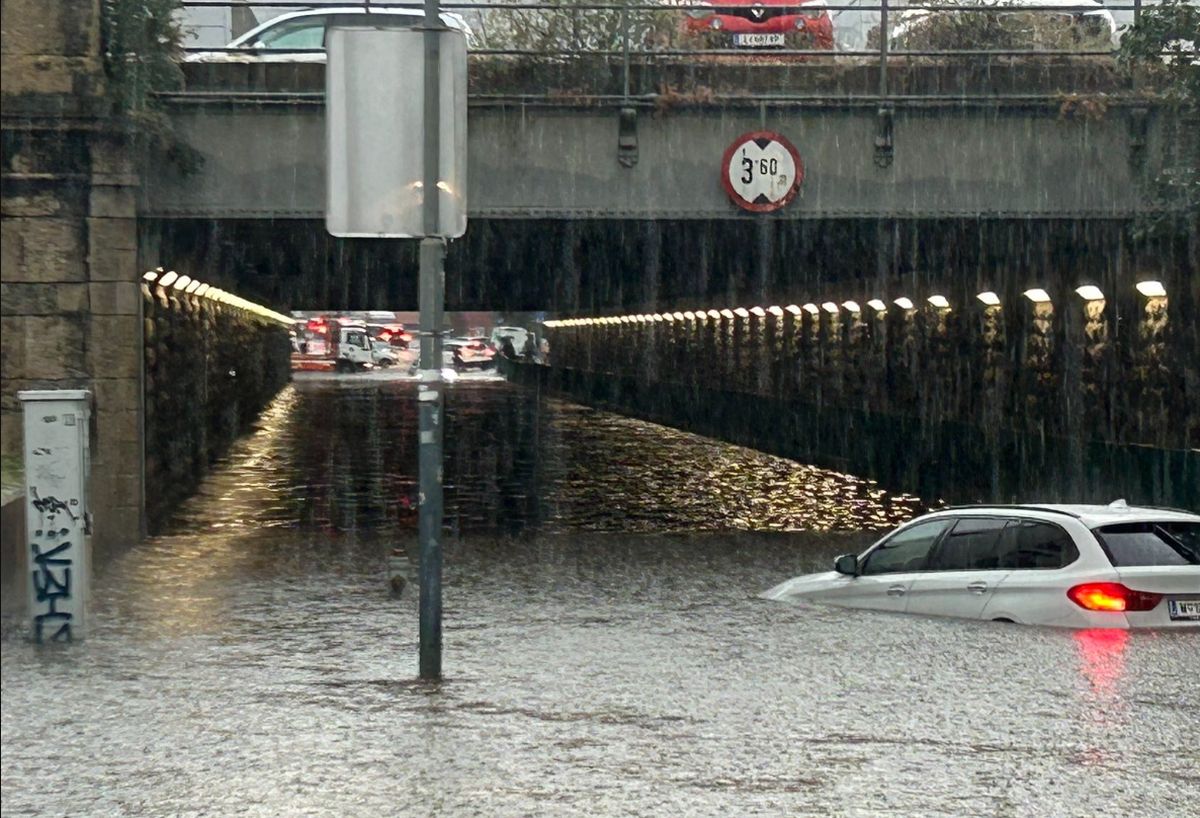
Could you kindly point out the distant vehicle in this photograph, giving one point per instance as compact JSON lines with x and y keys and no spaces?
{"x":1075,"y":566}
{"x":345,"y":347}
{"x":1096,"y":24}
{"x":763,"y":24}
{"x":472,"y":353}
{"x":391,"y":334}
{"x":299,"y":36}
{"x":518,"y":336}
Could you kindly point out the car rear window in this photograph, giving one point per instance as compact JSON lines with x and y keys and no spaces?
{"x":1033,"y":544}
{"x":1166,"y":543}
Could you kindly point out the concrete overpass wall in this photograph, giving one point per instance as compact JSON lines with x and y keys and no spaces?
{"x":264,"y":158}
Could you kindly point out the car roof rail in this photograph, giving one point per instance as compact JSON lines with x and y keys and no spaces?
{"x":1011,"y":507}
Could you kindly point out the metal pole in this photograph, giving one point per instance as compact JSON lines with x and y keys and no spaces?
{"x":883,"y":49}
{"x":432,"y":301}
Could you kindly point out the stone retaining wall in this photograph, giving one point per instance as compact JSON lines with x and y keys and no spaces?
{"x":209,"y":370}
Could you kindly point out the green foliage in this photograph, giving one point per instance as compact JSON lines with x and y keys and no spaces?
{"x":1161,"y":50}
{"x":142,"y":43}
{"x":1165,"y":45}
{"x":1001,"y":30}
{"x":573,"y":29}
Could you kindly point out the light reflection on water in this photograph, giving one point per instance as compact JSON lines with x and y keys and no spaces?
{"x":341,"y":455}
{"x":251,"y":662}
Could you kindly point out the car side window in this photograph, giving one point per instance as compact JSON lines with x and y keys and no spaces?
{"x":1033,"y":544}
{"x":307,"y":33}
{"x":972,"y":545}
{"x":907,"y":550}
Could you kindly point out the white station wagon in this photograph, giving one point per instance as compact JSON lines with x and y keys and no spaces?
{"x":1075,"y":566}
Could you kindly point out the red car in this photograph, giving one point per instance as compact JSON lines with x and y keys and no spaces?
{"x":764,"y":24}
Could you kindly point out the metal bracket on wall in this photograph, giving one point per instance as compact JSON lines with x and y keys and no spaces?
{"x":627,"y":141}
{"x":884,"y":121}
{"x":1139,"y":127}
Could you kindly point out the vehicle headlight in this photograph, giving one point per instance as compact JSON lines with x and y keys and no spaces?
{"x":716,"y":23}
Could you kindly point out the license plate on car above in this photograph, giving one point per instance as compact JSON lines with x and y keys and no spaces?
{"x":758,"y":40}
{"x":1183,"y":608}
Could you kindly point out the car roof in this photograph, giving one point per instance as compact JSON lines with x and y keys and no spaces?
{"x":450,"y":19}
{"x":1091,"y":516}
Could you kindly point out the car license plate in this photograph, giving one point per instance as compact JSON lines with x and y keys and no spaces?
{"x":758,"y":40}
{"x":1183,"y":608}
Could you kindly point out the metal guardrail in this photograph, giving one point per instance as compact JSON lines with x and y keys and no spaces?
{"x":621,"y":42}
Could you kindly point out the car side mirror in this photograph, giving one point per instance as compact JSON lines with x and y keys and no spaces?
{"x":846,"y":564}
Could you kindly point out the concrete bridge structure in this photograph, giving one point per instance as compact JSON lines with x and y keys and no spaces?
{"x":1068,"y":142}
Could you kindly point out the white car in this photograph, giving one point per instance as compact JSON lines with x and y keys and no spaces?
{"x":1077,"y":566}
{"x":1097,"y":21}
{"x":300,"y":35}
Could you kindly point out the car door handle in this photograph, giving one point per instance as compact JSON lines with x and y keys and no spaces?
{"x":896,"y":590}
{"x":977,"y":587}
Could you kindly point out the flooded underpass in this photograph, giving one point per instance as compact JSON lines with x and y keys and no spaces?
{"x":605,"y":651}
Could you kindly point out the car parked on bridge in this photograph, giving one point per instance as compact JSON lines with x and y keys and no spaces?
{"x":1076,"y":566}
{"x":471,"y":353}
{"x":759,"y":24}
{"x":299,"y":36}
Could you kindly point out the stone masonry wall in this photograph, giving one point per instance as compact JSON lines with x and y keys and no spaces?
{"x":71,"y":313}
{"x":210,"y":370}
{"x":1063,"y":396}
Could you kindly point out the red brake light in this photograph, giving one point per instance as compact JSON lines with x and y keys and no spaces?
{"x":1112,"y":596}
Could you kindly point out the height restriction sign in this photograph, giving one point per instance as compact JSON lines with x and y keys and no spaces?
{"x":761,"y":171}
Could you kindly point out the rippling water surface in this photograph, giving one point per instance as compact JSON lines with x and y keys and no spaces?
{"x":605,"y":653}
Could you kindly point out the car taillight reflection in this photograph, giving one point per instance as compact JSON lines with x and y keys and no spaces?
{"x":1112,"y":596}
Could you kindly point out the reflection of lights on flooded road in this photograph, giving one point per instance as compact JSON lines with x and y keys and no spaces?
{"x":1102,"y":658}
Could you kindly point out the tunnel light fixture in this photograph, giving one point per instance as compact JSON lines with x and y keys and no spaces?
{"x":191,"y":288}
{"x":663,"y":316}
{"x":168,"y":278}
{"x":202,"y":290}
{"x":793,"y":309}
{"x":1090,"y":292}
{"x":777,"y":311}
{"x":811,"y":308}
{"x":1037,"y":295}
{"x":1151,"y":289}
{"x":852,"y":306}
{"x":713,"y":314}
{"x":939,"y":302}
{"x":877,"y":305}
{"x":904,"y":302}
{"x":758,"y":311}
{"x":678,"y":316}
{"x":150,"y":275}
{"x":182,"y":282}
{"x":989,"y":298}
{"x":742,"y":312}
{"x":689,"y":315}
{"x":726,"y":313}
{"x":830,"y":307}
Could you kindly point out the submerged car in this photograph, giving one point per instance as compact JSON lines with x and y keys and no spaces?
{"x":299,"y":36}
{"x":1078,"y":566}
{"x":762,"y":24}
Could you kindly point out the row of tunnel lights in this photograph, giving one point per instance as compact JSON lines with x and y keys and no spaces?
{"x":1088,"y":292}
{"x":190,"y":286}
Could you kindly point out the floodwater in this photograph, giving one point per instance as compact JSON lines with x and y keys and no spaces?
{"x":604,"y":650}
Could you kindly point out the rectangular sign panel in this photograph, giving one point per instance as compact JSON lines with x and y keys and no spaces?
{"x":374,"y":123}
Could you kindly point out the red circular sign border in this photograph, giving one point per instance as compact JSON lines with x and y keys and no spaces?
{"x":735,"y":197}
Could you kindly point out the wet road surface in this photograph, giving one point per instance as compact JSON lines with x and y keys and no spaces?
{"x":250,"y":661}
